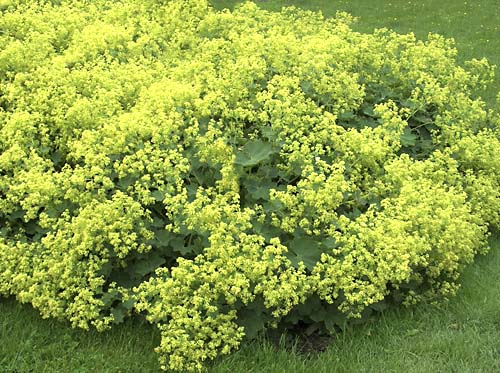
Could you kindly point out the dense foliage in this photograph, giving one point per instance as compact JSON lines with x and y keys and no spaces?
{"x":222,"y":172}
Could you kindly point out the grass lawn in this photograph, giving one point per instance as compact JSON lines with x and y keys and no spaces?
{"x":460,"y":336}
{"x":472,"y":23}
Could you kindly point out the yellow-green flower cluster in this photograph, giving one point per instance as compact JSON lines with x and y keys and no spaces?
{"x":195,"y":302}
{"x":217,"y":171}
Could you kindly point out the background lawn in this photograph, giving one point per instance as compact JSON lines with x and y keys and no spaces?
{"x":461,"y":336}
{"x":472,"y":23}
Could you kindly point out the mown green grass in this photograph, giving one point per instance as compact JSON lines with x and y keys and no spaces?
{"x":472,"y":23}
{"x":31,"y":344}
{"x":461,"y":336}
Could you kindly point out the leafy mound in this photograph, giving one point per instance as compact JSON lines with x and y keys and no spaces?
{"x":224,"y":172}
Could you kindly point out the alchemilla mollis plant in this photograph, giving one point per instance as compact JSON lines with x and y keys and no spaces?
{"x":224,"y":173}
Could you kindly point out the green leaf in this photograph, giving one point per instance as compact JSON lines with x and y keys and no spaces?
{"x":180,"y":246}
{"x":56,"y":157}
{"x":118,"y":314}
{"x":329,"y":243}
{"x":105,"y":269}
{"x":413,"y":105}
{"x":124,"y":277}
{"x":422,"y":117}
{"x":408,"y":138}
{"x":365,"y":122}
{"x":146,"y":265}
{"x":158,"y":222}
{"x":158,"y":195}
{"x":253,"y":317}
{"x":253,"y":153}
{"x":126,"y":181}
{"x":258,"y":188}
{"x":307,"y":87}
{"x":252,"y":321}
{"x":268,"y":132}
{"x":334,"y":320}
{"x":306,"y":250}
{"x":346,"y":116}
{"x":163,"y":237}
{"x":368,"y":111}
{"x":128,"y":304}
{"x":312,"y":308}
{"x":32,"y":228}
{"x":16,"y":215}
{"x":110,"y":296}
{"x":266,"y":230}
{"x":431,"y":127}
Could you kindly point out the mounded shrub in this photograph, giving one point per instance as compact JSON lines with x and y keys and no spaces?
{"x":222,"y":173}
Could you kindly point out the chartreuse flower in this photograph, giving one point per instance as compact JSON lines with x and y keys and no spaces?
{"x":224,"y":172}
